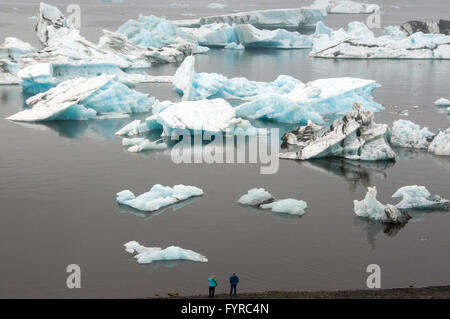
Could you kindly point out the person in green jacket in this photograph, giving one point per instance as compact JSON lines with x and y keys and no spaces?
{"x":212,"y":285}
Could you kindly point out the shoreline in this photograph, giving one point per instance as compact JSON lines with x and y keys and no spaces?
{"x":431,"y":292}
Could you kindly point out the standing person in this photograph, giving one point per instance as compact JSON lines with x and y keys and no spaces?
{"x":212,"y":285}
{"x":233,"y":283}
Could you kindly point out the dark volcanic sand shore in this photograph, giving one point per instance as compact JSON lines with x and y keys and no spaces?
{"x":438,"y":292}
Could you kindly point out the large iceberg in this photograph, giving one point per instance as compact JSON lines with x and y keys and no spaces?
{"x":294,"y":18}
{"x":355,"y":136}
{"x":147,"y":255}
{"x":157,"y":197}
{"x":408,"y":134}
{"x":212,"y":116}
{"x":359,"y":42}
{"x":261,"y":198}
{"x":312,"y":100}
{"x":197,"y":86}
{"x":223,"y":34}
{"x":371,"y":208}
{"x":344,"y":6}
{"x":82,"y":99}
{"x":441,"y":143}
{"x":418,"y":197}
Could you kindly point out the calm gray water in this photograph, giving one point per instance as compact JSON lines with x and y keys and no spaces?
{"x":58,"y":183}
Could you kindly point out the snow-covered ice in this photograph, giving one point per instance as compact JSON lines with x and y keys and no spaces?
{"x":359,"y":42}
{"x":223,"y":34}
{"x":197,"y":86}
{"x":157,"y":197}
{"x":418,"y":197}
{"x":344,"y":6}
{"x":291,"y":18}
{"x":147,"y":255}
{"x":408,"y":134}
{"x":82,"y":99}
{"x":441,"y":143}
{"x":442,"y":102}
{"x":371,"y":208}
{"x":355,"y":136}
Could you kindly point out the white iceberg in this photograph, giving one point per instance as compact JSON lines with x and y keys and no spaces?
{"x":407,"y":134}
{"x":442,"y":102}
{"x":255,"y":197}
{"x":82,"y":99}
{"x":223,"y":34}
{"x":10,"y":51}
{"x":371,"y":208}
{"x":49,"y":18}
{"x":308,"y":102}
{"x":147,"y":255}
{"x":355,"y":136}
{"x":157,"y":197}
{"x":359,"y":42}
{"x":197,"y":86}
{"x":291,"y":18}
{"x":261,"y":198}
{"x":287,"y":206}
{"x":441,"y":143}
{"x":418,"y":197}
{"x":344,"y":6}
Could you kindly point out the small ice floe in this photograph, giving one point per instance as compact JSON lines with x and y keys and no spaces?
{"x":359,"y":42}
{"x":83,"y":99}
{"x":147,"y":255}
{"x":344,"y":6}
{"x":371,"y":208}
{"x":141,"y":144}
{"x":157,"y":197}
{"x":212,"y":116}
{"x":418,"y":197}
{"x":408,"y":134}
{"x":403,"y":113}
{"x":215,"y":5}
{"x":292,"y":18}
{"x":260,"y":198}
{"x":355,"y":136}
{"x":442,"y":102}
{"x":224,"y":34}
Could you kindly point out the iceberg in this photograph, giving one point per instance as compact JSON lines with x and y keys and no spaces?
{"x":441,"y":143}
{"x":212,"y":116}
{"x":359,"y":42}
{"x":197,"y":86}
{"x":147,"y":255}
{"x":442,"y":102}
{"x":141,"y":144}
{"x":261,"y":198}
{"x":407,"y":134}
{"x":294,"y":18}
{"x":157,"y":197}
{"x":371,"y":208}
{"x":355,"y":136}
{"x":49,"y":18}
{"x":418,"y":197}
{"x":10,"y":51}
{"x":411,"y":27}
{"x":8,"y":72}
{"x":215,"y":5}
{"x":223,"y":34}
{"x":83,"y":99}
{"x":344,"y":7}
{"x":308,"y":102}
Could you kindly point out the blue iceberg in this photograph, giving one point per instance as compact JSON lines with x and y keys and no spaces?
{"x":83,"y":99}
{"x":410,"y":135}
{"x":418,"y":197}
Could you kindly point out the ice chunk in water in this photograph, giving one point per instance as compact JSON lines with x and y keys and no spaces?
{"x":441,"y":143}
{"x":287,"y":206}
{"x":442,"y":102}
{"x":418,"y":197}
{"x":147,"y":255}
{"x":157,"y":197}
{"x":256,"y":196}
{"x":407,"y":134}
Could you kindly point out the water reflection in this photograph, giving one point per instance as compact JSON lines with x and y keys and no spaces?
{"x":259,"y":211}
{"x":353,"y":172}
{"x":373,"y":228}
{"x":124,"y":209}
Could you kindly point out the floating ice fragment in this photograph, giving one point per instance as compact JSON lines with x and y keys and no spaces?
{"x":82,"y":99}
{"x":256,"y":196}
{"x":344,"y":6}
{"x":442,"y":102}
{"x":407,"y":134}
{"x":215,"y":5}
{"x":145,"y":145}
{"x":157,"y":197}
{"x":287,"y":206}
{"x":441,"y":143}
{"x":147,"y":255}
{"x":371,"y":208}
{"x":418,"y":197}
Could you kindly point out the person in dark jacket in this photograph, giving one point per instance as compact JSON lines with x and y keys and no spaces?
{"x":233,"y":283}
{"x":212,"y":285}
